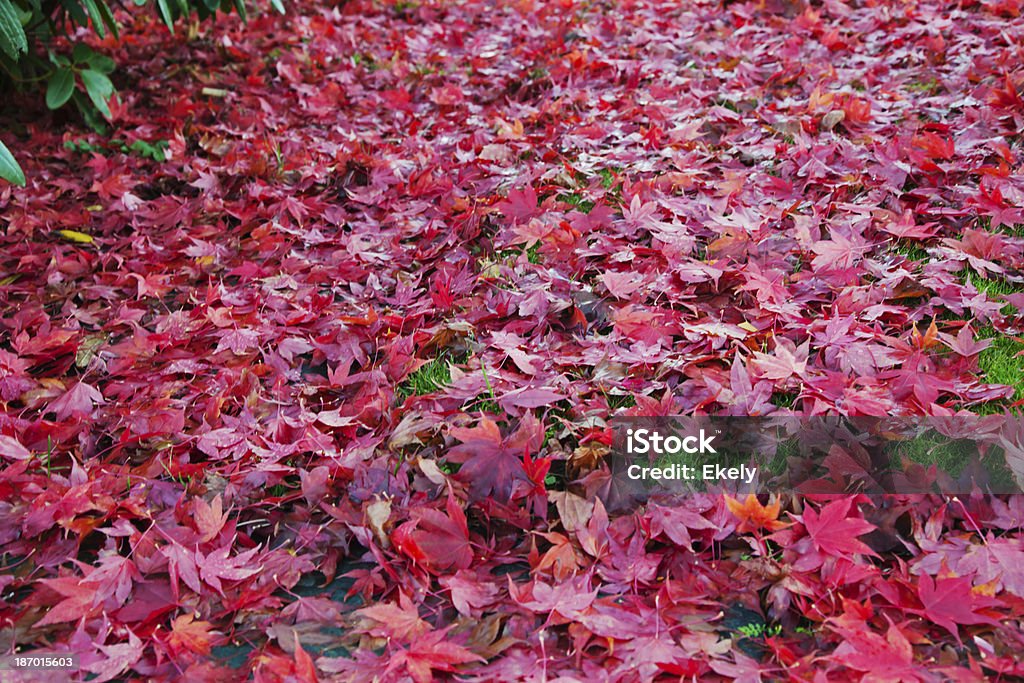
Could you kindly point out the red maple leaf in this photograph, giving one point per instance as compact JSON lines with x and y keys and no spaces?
{"x":388,"y":620}
{"x":833,"y":531}
{"x":78,"y":600}
{"x":435,"y":539}
{"x":952,"y":601}
{"x":429,"y":653}
{"x":491,"y":464}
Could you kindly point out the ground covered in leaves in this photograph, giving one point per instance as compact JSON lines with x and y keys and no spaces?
{"x":307,"y":364}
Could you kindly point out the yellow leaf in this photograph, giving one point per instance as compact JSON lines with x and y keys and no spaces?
{"x":87,"y":349}
{"x":747,"y":326}
{"x":75,"y":236}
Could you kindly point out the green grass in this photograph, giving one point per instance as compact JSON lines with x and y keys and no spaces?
{"x":728,"y":104}
{"x":910,"y":249}
{"x":999,"y":363}
{"x":1012,"y":230}
{"x":620,"y":401}
{"x":428,"y":379}
{"x":929,"y":87}
{"x":511,"y":255}
{"x":993,"y":286}
{"x":784,"y":400}
{"x":366,"y":60}
{"x":758,"y":629}
{"x":533,"y":254}
{"x":278,"y":491}
{"x":551,"y":434}
{"x":608,"y":176}
{"x":578,"y":201}
{"x":486,"y":405}
{"x":951,"y":455}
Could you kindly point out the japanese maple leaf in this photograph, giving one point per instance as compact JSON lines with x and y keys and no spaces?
{"x":79,"y":600}
{"x":649,"y":326}
{"x":469,"y":593}
{"x":934,"y":145}
{"x":753,"y":515}
{"x":389,"y":620}
{"x":239,"y":341}
{"x":568,"y":598}
{"x":220,"y":443}
{"x":622,"y":285}
{"x":964,"y":343}
{"x":1007,"y":96}
{"x":78,"y":400}
{"x":787,"y":361}
{"x":530,"y":397}
{"x":191,"y":636}
{"x":952,"y":601}
{"x":644,"y":215}
{"x":520,"y":206}
{"x":117,"y":658}
{"x":884,"y":659}
{"x":437,"y":540}
{"x":835,"y":533}
{"x":999,"y":560}
{"x":490,"y":465}
{"x":209,"y":518}
{"x":429,"y":653}
{"x":113,"y":579}
{"x":181,"y":565}
{"x":992,"y":204}
{"x":907,"y":228}
{"x":748,"y":397}
{"x":560,"y":560}
{"x":276,"y":666}
{"x":218,"y":565}
{"x":14,"y":378}
{"x":1011,"y":438}
{"x":676,"y":521}
{"x":304,"y":668}
{"x":12,"y":448}
{"x":839,"y":252}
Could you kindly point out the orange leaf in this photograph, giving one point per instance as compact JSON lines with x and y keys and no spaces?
{"x":928,"y":339}
{"x":753,"y":515}
{"x":188,"y":635}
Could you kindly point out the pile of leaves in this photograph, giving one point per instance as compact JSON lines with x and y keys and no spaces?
{"x":307,"y":369}
{"x":37,"y":45}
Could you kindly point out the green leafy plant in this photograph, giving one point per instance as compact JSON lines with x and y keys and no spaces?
{"x":156,"y":150}
{"x":9,"y":169}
